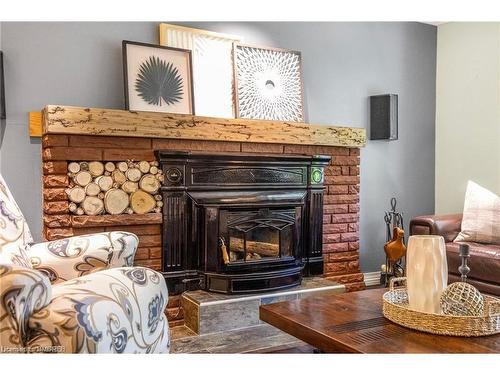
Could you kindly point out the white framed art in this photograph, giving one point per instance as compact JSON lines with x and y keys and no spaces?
{"x":268,"y":83}
{"x":212,"y":56}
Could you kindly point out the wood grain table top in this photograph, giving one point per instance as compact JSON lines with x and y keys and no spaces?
{"x":354,"y":323}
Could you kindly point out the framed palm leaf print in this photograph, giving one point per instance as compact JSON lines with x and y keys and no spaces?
{"x":157,"y":78}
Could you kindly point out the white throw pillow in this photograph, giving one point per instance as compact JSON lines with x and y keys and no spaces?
{"x":481,"y":218}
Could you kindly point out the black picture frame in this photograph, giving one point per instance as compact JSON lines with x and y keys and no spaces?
{"x":190,"y":87}
{"x":3,"y":111}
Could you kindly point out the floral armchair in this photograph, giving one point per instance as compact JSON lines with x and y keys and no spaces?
{"x":76,"y":295}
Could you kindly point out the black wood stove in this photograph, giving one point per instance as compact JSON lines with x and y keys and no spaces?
{"x":241,"y":223}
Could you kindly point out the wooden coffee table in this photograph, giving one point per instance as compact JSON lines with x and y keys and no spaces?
{"x":353,"y":323}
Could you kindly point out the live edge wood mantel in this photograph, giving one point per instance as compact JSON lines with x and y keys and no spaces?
{"x":56,"y":119}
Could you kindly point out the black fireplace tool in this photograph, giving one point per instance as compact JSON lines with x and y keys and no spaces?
{"x":393,"y":219}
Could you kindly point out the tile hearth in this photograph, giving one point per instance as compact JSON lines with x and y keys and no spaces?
{"x":263,"y":338}
{"x":221,"y":323}
{"x":207,"y":313}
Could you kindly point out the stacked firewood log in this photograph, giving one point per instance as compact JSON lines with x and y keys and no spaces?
{"x":114,"y":187}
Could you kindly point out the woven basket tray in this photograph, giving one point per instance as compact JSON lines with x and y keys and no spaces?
{"x":397,"y":310}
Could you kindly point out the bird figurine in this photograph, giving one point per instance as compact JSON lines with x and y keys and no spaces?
{"x":395,"y":249}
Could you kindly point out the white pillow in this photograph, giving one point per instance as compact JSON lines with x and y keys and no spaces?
{"x":481,"y":218}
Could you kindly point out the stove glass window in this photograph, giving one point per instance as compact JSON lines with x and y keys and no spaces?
{"x":260,"y":235}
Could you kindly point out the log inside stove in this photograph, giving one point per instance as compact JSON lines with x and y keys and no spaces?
{"x":255,"y":250}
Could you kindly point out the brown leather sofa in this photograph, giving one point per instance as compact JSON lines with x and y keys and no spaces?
{"x":485,"y":258}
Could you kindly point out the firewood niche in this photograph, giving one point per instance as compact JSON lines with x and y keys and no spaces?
{"x":114,"y":188}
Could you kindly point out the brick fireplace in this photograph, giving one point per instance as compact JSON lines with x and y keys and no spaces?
{"x":340,"y":203}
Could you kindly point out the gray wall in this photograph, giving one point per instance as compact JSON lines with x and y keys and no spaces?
{"x":343,"y":63}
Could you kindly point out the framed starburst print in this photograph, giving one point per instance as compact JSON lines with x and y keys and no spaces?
{"x":157,"y":78}
{"x":268,"y":83}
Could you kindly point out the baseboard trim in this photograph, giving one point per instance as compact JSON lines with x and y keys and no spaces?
{"x":372,"y":278}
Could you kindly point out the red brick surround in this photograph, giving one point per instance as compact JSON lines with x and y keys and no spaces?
{"x":341,"y":201}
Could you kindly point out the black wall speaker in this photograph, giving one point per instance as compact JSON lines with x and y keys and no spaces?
{"x":384,"y":117}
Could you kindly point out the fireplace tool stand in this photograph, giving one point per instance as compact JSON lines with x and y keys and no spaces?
{"x":395,"y":248}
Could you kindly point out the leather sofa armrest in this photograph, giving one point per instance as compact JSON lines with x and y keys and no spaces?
{"x":447,"y":226}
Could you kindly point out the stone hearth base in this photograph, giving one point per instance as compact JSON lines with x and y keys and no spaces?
{"x":263,"y":338}
{"x":206,"y":313}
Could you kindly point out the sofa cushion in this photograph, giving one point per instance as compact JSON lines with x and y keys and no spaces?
{"x":484,"y":261}
{"x":481,"y":217}
{"x":15,"y":237}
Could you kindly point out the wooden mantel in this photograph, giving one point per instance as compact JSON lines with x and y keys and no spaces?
{"x":57,"y":119}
